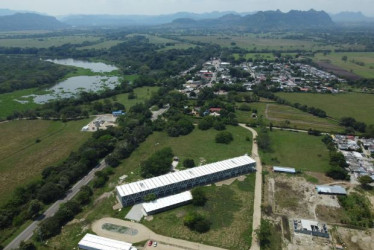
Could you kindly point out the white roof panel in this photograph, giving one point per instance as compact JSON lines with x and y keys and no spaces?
{"x":167,"y":201}
{"x":91,"y":241}
{"x":163,"y":180}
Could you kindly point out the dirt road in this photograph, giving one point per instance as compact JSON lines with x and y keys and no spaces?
{"x":258,"y":190}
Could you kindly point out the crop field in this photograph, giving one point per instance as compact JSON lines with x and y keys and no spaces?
{"x":259,"y":42}
{"x":297,"y":150}
{"x":357,"y":105}
{"x":199,"y":145}
{"x":168,"y":43}
{"x":22,"y":157}
{"x":286,"y":116}
{"x":8,"y":103}
{"x":262,"y":56}
{"x":359,"y":63}
{"x":46,"y":42}
{"x":230,"y":210}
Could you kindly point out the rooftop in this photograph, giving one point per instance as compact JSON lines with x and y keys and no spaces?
{"x":91,"y":241}
{"x":331,"y":190}
{"x":167,"y":201}
{"x":167,"y":179}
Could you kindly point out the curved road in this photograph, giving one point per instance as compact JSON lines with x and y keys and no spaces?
{"x":258,"y":190}
{"x":28,"y":232}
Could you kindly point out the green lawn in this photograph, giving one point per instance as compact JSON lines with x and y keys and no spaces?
{"x":246,"y":116}
{"x":281,"y":115}
{"x":356,"y":105}
{"x":366,"y":71}
{"x":142,"y":94}
{"x":22,"y":159}
{"x":46,"y":42}
{"x":8,"y":104}
{"x":230,"y":210}
{"x":199,"y":145}
{"x":298,"y":150}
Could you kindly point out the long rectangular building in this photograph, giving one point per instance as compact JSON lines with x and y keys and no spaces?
{"x":176,"y":182}
{"x":94,"y":242}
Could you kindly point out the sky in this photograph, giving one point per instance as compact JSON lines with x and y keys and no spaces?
{"x":155,"y":7}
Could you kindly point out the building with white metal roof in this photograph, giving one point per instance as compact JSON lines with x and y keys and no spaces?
{"x":331,"y":190}
{"x":165,"y":203}
{"x":94,"y":242}
{"x":284,"y":170}
{"x":176,"y":182}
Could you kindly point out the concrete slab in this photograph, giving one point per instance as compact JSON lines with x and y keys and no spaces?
{"x":136,"y":213}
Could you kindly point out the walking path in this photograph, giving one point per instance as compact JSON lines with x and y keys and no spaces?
{"x":144,"y":234}
{"x":258,"y":190}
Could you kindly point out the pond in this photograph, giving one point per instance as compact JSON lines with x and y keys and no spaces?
{"x":75,"y":85}
{"x":97,"y":67}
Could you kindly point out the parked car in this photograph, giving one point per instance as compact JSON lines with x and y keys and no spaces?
{"x":155,"y":244}
{"x":150,"y":243}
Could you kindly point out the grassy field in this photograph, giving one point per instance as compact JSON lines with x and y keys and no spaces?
{"x":142,"y":94}
{"x":8,"y":104}
{"x":22,"y":159}
{"x":199,"y":145}
{"x":297,"y":150}
{"x":286,"y":116}
{"x":264,"y":41}
{"x":102,"y":45}
{"x":246,"y":116}
{"x":366,"y":70}
{"x":46,"y":42}
{"x":356,"y":105}
{"x":262,"y":56}
{"x":229,"y":208}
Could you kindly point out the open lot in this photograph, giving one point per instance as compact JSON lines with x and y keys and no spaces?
{"x":142,"y":94}
{"x":298,"y":150}
{"x":22,"y":158}
{"x":366,"y":59}
{"x":286,"y":116}
{"x":8,"y":103}
{"x":229,"y":208}
{"x":356,"y":105}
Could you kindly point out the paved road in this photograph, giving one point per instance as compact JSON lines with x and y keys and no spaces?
{"x":28,"y":232}
{"x":143,"y":234}
{"x":258,"y":190}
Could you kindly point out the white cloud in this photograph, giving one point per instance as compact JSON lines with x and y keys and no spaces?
{"x":60,"y":7}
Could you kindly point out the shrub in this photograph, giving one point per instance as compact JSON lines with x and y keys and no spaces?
{"x":196,"y":222}
{"x":188,"y":163}
{"x":199,"y":197}
{"x":224,"y":137}
{"x":219,"y":125}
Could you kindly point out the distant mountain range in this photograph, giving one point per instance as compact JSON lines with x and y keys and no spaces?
{"x":351,"y":17}
{"x":10,"y":20}
{"x":29,"y":21}
{"x":261,"y":21}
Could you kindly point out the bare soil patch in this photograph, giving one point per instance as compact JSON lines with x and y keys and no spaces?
{"x":337,"y":70}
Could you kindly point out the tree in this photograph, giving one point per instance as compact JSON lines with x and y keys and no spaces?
{"x":188,"y":163}
{"x":365,"y":181}
{"x":224,"y":137}
{"x":157,"y":164}
{"x":84,"y":195}
{"x":199,"y":197}
{"x":48,"y":228}
{"x":204,"y":124}
{"x":112,"y":160}
{"x":50,"y":192}
{"x":263,"y":233}
{"x":34,"y":209}
{"x":344,"y":58}
{"x":196,"y":222}
{"x":264,"y":142}
{"x":219,"y":125}
{"x":27,"y":246}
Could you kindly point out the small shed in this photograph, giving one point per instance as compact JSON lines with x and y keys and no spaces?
{"x":338,"y":190}
{"x":118,"y":113}
{"x":284,"y":170}
{"x":94,"y":242}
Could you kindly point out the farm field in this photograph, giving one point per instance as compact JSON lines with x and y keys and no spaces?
{"x":357,"y":105}
{"x":229,"y":208}
{"x":46,"y":42}
{"x":199,"y":145}
{"x":259,"y":42}
{"x":298,"y":150}
{"x":286,"y":116}
{"x":366,"y":70}
{"x":102,"y":45}
{"x":262,"y":56}
{"x":22,"y":158}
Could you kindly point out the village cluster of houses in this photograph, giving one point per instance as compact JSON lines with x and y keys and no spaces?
{"x":287,"y":76}
{"x":357,"y":152}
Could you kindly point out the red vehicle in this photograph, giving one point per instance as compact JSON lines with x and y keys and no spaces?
{"x":150,"y":243}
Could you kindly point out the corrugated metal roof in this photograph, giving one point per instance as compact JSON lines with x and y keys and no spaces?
{"x":163,"y":180}
{"x":331,"y":189}
{"x":167,"y":201}
{"x":91,"y":241}
{"x":284,"y":169}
